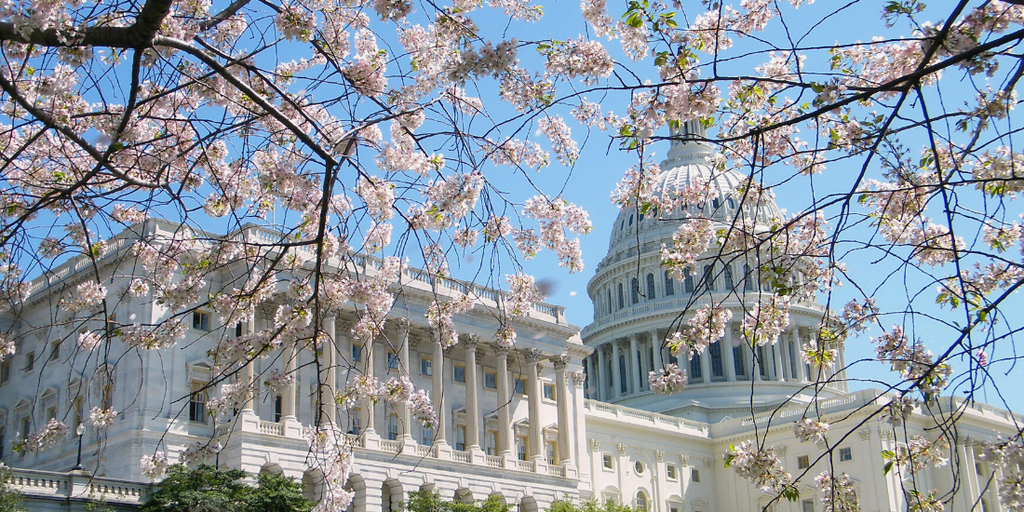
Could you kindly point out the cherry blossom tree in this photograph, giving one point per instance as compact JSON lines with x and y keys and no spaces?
{"x":373,"y":127}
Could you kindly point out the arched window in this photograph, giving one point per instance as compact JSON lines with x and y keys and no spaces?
{"x":709,"y":277}
{"x":670,"y":288}
{"x":728,"y":278}
{"x":688,"y":281}
{"x":641,"y":501}
{"x":748,"y":279}
{"x":634,"y":290}
{"x":650,"y":286}
{"x":621,"y":301}
{"x":608,"y":297}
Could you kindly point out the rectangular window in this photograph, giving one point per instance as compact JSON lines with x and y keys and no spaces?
{"x":355,"y":419}
{"x":357,"y":353}
{"x":708,"y":281}
{"x":51,"y":412}
{"x":26,"y":427}
{"x":392,"y":427}
{"x":460,"y":438}
{"x":5,"y":372}
{"x":3,"y":441}
{"x":764,"y":362}
{"x":607,"y":461}
{"x":426,"y":366}
{"x":845,"y":454}
{"x":491,"y":442}
{"x":551,"y":453}
{"x":738,"y":362}
{"x":695,"y":476}
{"x":238,"y":330}
{"x":808,"y":506}
{"x":688,"y":280}
{"x":278,"y":408}
{"x":670,"y":287}
{"x":491,"y":380}
{"x":549,"y":391}
{"x":55,"y":350}
{"x":459,"y":373}
{"x":670,"y":472}
{"x":392,"y":360}
{"x":520,"y":386}
{"x":521,"y":448}
{"x":30,"y":361}
{"x":197,"y":402}
{"x":696,"y":372}
{"x":803,"y":462}
{"x":427,"y":435}
{"x":715,"y":351}
{"x":201,"y":320}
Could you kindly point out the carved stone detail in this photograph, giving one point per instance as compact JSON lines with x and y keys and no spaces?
{"x":865,"y":434}
{"x":622,"y":448}
{"x":531,"y":355}
{"x":659,"y":455}
{"x":579,"y":378}
{"x":684,"y":459}
{"x":560,"y":361}
{"x":595,"y":444}
{"x":470,"y":342}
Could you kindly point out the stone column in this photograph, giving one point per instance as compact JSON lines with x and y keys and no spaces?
{"x":405,"y":419}
{"x":288,"y":400}
{"x":785,"y":370}
{"x":705,"y":363}
{"x":602,"y":367}
{"x":616,"y":372}
{"x":531,"y":357}
{"x":801,"y":368}
{"x":472,"y":411}
{"x":327,"y":392}
{"x":643,"y":367}
{"x":504,"y":404}
{"x":369,"y":369}
{"x":631,"y":361}
{"x":968,"y":468}
{"x":727,"y":355}
{"x":656,"y":347}
{"x":756,"y":362}
{"x":248,"y":373}
{"x":562,"y":403}
{"x":437,"y":393}
{"x":777,"y":352}
{"x":576,"y":421}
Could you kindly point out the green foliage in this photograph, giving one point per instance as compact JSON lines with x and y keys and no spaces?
{"x":427,"y":501}
{"x":209,"y":489}
{"x":589,"y":506}
{"x":10,"y":500}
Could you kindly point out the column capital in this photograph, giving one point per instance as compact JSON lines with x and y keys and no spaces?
{"x":531,"y":355}
{"x":404,"y":325}
{"x":578,"y":378}
{"x":470,"y":341}
{"x":560,"y":361}
{"x":659,"y":455}
{"x":621,"y":447}
{"x":501,"y":350}
{"x":595,"y":444}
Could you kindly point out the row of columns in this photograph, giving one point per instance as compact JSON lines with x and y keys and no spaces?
{"x":327,"y":374}
{"x":780,"y":359}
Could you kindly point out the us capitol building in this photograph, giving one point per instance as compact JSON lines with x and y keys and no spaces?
{"x":564,"y":414}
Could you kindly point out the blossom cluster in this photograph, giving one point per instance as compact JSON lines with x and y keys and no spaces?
{"x":761,"y":466}
{"x":690,"y":241}
{"x":1008,"y":456}
{"x":765,"y":321}
{"x":101,"y":418}
{"x":918,"y":454}
{"x":331,"y":453}
{"x":811,"y":430}
{"x":52,"y":433}
{"x":556,"y":217}
{"x":667,"y":380}
{"x":153,"y":467}
{"x":837,"y":493}
{"x":912,"y":361}
{"x":706,"y":326}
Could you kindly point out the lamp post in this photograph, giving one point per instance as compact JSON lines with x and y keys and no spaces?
{"x":79,"y":430}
